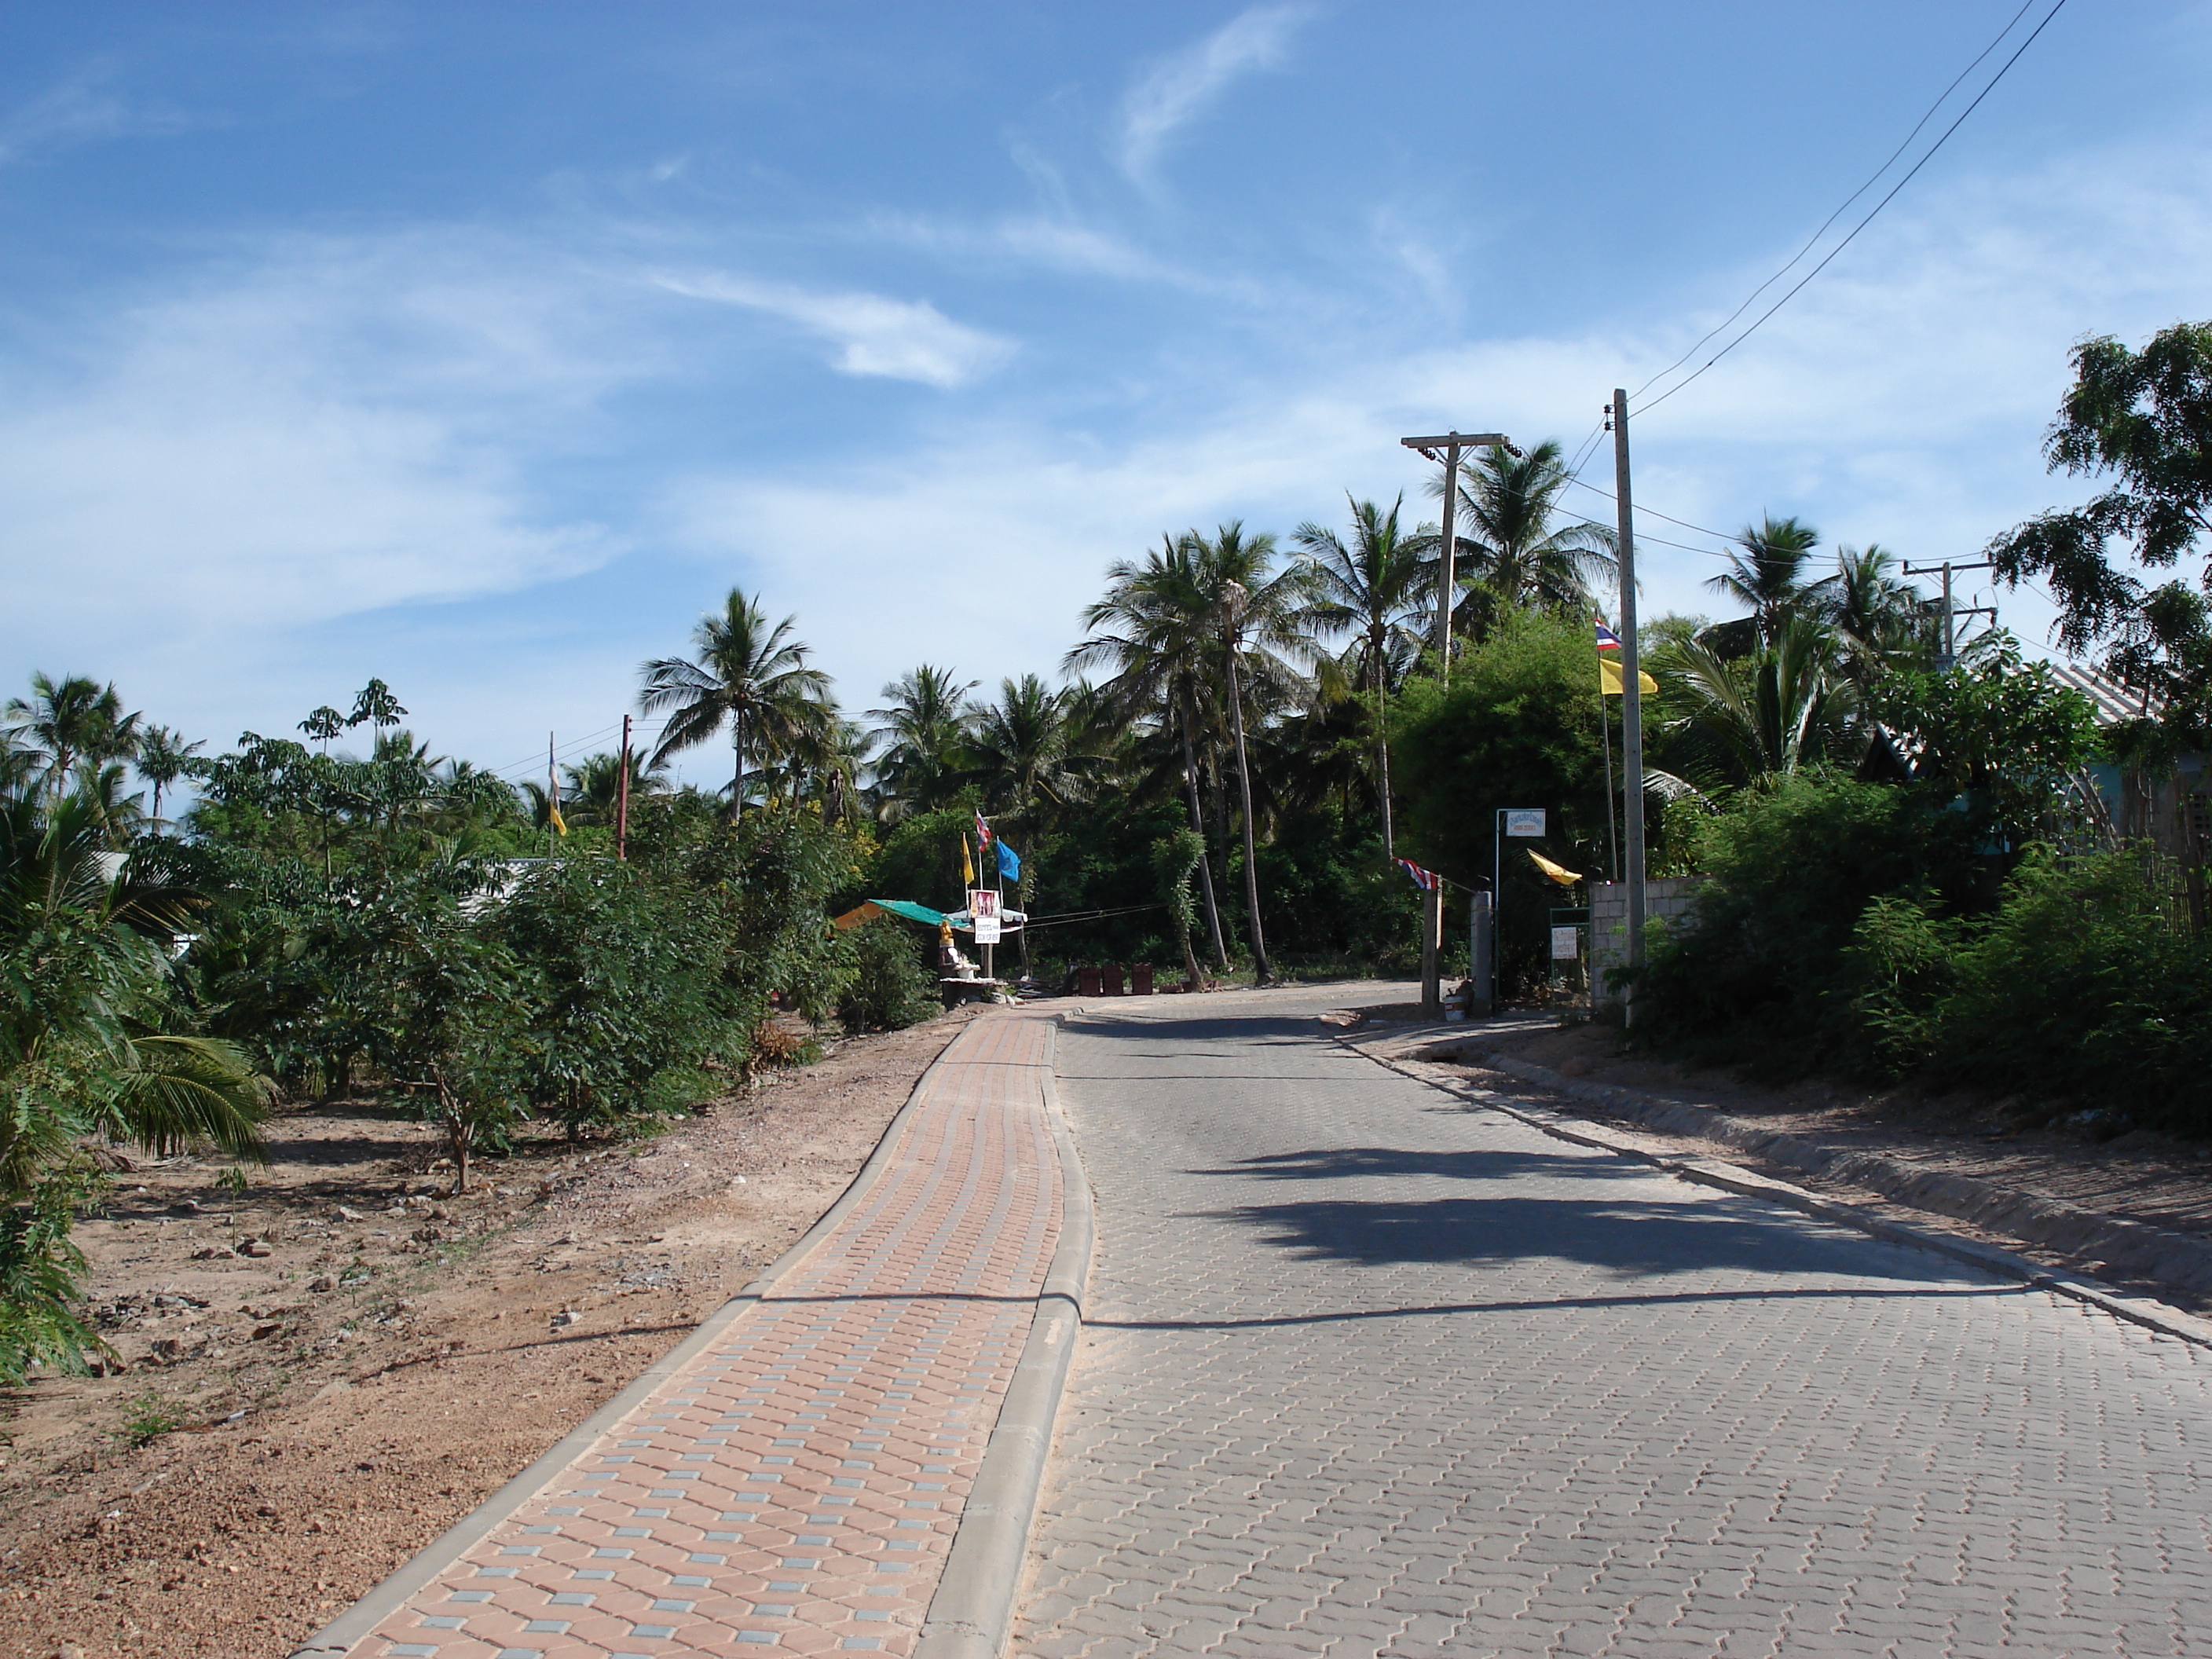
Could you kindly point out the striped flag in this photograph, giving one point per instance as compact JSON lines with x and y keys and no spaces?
{"x":1427,"y":880}
{"x":1607,"y":639}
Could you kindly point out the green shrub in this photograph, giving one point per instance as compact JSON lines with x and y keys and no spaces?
{"x":1761,"y":973}
{"x":891,"y":989}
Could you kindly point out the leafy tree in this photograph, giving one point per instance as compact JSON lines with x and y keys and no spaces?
{"x":2003,"y":738}
{"x":2144,"y":419}
{"x":624,"y":1012}
{"x":1174,"y":857}
{"x":1517,"y":727}
{"x":748,"y":673}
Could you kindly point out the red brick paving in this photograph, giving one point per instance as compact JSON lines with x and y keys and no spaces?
{"x":798,"y":1486}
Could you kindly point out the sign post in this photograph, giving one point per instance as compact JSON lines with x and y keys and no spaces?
{"x":983,"y":914}
{"x":1524,"y":821}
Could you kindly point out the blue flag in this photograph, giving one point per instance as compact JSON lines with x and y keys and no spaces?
{"x":1010,"y":863}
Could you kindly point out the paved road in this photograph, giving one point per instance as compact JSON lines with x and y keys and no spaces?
{"x":1373,"y":1372}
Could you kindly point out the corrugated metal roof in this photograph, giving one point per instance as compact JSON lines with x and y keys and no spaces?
{"x":2114,"y":701}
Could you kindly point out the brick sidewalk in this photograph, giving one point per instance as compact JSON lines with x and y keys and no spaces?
{"x":798,"y":1484}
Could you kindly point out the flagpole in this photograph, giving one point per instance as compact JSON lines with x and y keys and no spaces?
{"x":552,"y":797}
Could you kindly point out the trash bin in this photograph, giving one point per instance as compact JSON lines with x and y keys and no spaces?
{"x":1113,"y":978}
{"x":1140,"y":980}
{"x":1086,"y":981}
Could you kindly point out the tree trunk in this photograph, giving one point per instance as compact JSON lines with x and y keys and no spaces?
{"x":1382,"y":761}
{"x":1261,"y":975}
{"x":737,"y":766}
{"x":1198,"y":824}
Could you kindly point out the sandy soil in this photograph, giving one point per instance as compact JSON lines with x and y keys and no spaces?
{"x":284,"y":1429}
{"x":2142,"y":1176}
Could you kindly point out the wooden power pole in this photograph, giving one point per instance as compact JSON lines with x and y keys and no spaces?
{"x":1446,"y":450}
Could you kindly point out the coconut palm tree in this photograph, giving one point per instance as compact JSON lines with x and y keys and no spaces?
{"x":920,"y":738}
{"x":69,"y":720}
{"x":1253,"y":609}
{"x":1373,"y":590}
{"x":1151,"y":630}
{"x":1880,"y":620}
{"x":1510,"y":554}
{"x":592,"y":791}
{"x":1766,"y":574}
{"x":1754,"y":718}
{"x":747,"y":672}
{"x":163,"y":757}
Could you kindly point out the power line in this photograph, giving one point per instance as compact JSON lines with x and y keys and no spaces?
{"x":1813,"y":242}
{"x":1928,"y":156}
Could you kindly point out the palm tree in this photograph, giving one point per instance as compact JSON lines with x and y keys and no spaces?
{"x":1508,"y":555}
{"x":1023,"y":750}
{"x":69,"y":720}
{"x":1253,"y":611}
{"x":163,"y":757}
{"x":1372,"y":589}
{"x":1766,"y":573}
{"x":922,"y":735}
{"x":1755,"y":718}
{"x":747,"y":672}
{"x":1880,"y":620}
{"x":1151,"y":628}
{"x":591,"y":792}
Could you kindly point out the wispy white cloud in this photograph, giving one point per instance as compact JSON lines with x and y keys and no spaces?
{"x":898,"y":339}
{"x":82,"y":110}
{"x":1179,"y":88}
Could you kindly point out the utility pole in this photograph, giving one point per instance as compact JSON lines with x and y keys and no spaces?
{"x":1631,"y":696}
{"x":622,"y":799}
{"x":1951,"y":613}
{"x":1432,"y":902}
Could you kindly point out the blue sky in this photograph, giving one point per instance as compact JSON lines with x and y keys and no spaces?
{"x":483,"y":347}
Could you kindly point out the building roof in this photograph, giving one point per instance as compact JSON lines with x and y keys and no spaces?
{"x":2114,"y":701}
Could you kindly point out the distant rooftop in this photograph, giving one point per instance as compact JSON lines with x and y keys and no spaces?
{"x":2114,"y":701}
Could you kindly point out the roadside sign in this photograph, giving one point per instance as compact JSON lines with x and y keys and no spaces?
{"x":1524,"y":820}
{"x":1566,"y":944}
{"x":983,"y":901}
{"x":987,"y":930}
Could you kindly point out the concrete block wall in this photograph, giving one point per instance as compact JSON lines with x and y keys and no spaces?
{"x":1672,"y":898}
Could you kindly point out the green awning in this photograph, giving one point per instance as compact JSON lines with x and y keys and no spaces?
{"x":909,"y":909}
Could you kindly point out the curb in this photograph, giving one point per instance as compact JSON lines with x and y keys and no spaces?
{"x":1711,"y":1172}
{"x":352,"y":1627}
{"x":971,"y":1614}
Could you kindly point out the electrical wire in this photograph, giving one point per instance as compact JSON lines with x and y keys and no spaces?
{"x":1797,"y":287}
{"x":1813,"y":242}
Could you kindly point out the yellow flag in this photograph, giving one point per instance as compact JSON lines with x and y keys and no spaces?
{"x":1608,"y":677}
{"x":966,"y":864}
{"x":553,"y":816}
{"x":1559,"y":873}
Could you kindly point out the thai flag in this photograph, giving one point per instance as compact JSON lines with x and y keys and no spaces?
{"x":1607,"y":639}
{"x":1426,"y":880}
{"x":982,"y":831}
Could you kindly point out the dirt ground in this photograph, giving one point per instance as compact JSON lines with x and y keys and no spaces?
{"x":320,"y":1373}
{"x":2142,"y":1176}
